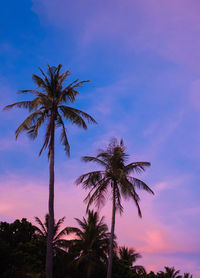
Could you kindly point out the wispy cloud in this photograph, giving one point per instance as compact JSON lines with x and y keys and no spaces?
{"x":170,"y":29}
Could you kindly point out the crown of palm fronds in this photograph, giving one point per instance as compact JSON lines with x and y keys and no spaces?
{"x":128,"y":255}
{"x":42,"y":231}
{"x":49,"y":105}
{"x":91,"y":239}
{"x":170,"y":272}
{"x":115,"y":174}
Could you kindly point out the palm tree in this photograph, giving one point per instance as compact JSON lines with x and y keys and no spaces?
{"x":91,"y":243}
{"x":170,"y":272}
{"x":42,"y":232}
{"x":187,"y":275}
{"x":49,"y":107}
{"x":116,"y":175}
{"x":128,"y":255}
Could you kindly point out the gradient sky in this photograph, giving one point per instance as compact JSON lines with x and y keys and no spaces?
{"x":143,"y":60}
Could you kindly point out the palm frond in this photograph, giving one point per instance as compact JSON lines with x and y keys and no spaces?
{"x":140,"y":184}
{"x":137,"y":167}
{"x":91,"y":177}
{"x":73,"y":230}
{"x":98,"y":196}
{"x":43,"y":231}
{"x":63,"y":76}
{"x":39,"y":82}
{"x":58,"y":224}
{"x":33,"y":131}
{"x":28,"y":122}
{"x":47,"y":137}
{"x":45,"y":78}
{"x":105,"y":156}
{"x":76,"y":116}
{"x":118,"y":201}
{"x":29,"y":104}
{"x":60,"y":234}
{"x":42,"y":98}
{"x":73,"y":117}
{"x":136,"y":199}
{"x":94,"y":159}
{"x":63,"y":137}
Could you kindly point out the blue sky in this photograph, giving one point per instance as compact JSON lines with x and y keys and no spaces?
{"x":143,"y":62}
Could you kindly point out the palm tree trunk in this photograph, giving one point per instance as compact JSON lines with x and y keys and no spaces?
{"x":49,"y":250}
{"x":110,"y":256}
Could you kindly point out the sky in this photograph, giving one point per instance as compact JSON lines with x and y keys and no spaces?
{"x":143,"y":60}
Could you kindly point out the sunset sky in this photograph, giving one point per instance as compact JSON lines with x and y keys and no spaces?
{"x":143,"y":60}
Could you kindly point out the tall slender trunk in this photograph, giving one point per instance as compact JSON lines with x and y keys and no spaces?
{"x":49,"y":250}
{"x":110,"y":255}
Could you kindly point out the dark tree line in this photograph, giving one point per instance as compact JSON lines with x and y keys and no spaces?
{"x":84,"y":255}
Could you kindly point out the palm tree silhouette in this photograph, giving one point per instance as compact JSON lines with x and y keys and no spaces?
{"x":91,"y":242}
{"x":128,"y":255}
{"x":49,"y":108}
{"x":42,"y":232}
{"x":187,"y":275}
{"x":116,"y":175}
{"x":170,"y":272}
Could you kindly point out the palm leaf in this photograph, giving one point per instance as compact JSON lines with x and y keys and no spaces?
{"x":39,"y":82}
{"x":140,"y":184}
{"x":43,"y":231}
{"x":137,"y":167}
{"x":28,"y":122}
{"x":63,"y":137}
{"x":29,"y":104}
{"x":94,"y":159}
{"x":47,"y":137}
{"x":136,"y":199}
{"x":33,"y":131}
{"x":76,"y":116}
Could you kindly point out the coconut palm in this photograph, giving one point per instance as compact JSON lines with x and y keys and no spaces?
{"x":42,"y":232}
{"x":187,"y":275}
{"x":91,"y":243}
{"x":128,"y":255}
{"x":116,"y":175}
{"x":170,"y":272}
{"x":49,"y":107}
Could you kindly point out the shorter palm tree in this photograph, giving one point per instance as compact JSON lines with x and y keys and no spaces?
{"x":117,"y":176}
{"x":129,"y":257}
{"x":91,"y":243}
{"x":58,"y":241}
{"x":170,"y":272}
{"x":187,"y":275}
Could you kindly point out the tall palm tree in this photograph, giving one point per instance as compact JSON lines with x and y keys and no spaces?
{"x":42,"y":232}
{"x":116,"y":175}
{"x":49,"y":107}
{"x":91,"y":242}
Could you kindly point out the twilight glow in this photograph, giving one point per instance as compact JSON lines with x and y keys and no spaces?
{"x":143,"y":60}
